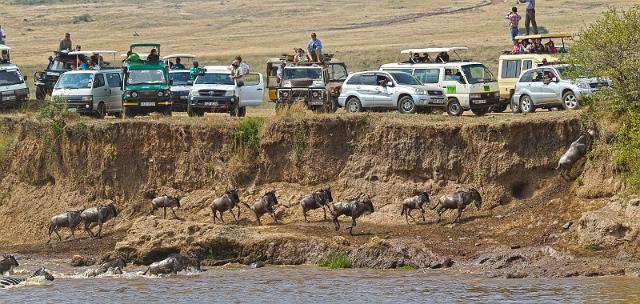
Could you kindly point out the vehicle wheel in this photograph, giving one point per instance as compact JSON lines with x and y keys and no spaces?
{"x":406,"y":105}
{"x":167,"y":112}
{"x":570,"y":101}
{"x":241,"y":113}
{"x":353,"y":105}
{"x":117,"y":114}
{"x":499,"y":108}
{"x":454,"y":108}
{"x":41,"y":94}
{"x":526,"y":104}
{"x":235,"y":112}
{"x":101,"y":111}
{"x":515,"y":107}
{"x":480,"y":112}
{"x":129,"y":113}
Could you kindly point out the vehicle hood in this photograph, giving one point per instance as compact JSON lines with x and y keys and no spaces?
{"x":225,"y":87}
{"x":180,"y":88}
{"x":19,"y":86}
{"x":422,"y":87}
{"x":484,"y":87}
{"x":145,"y":87}
{"x":71,"y":92}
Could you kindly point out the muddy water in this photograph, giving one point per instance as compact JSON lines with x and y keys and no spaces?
{"x":308,"y":284}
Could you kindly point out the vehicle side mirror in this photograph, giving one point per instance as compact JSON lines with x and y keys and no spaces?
{"x":555,"y":79}
{"x":25,"y":78}
{"x":389,"y":84}
{"x":189,"y":82}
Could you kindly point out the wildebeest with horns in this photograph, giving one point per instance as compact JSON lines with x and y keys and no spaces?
{"x":173,"y":264}
{"x":7,"y":264}
{"x":97,"y":216}
{"x":265,"y":205}
{"x":226,"y":202}
{"x":354,"y":209}
{"x":69,"y":219}
{"x":576,"y":151}
{"x":415,"y":202}
{"x":317,"y":199}
{"x":114,"y":266}
{"x":42,"y":272}
{"x":165,"y":202}
{"x":458,"y":200}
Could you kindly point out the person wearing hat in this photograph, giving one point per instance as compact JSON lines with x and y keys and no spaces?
{"x":66,"y":44}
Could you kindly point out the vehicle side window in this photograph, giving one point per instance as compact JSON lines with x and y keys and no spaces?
{"x":526,"y":77}
{"x":98,"y":81}
{"x":527,"y":64}
{"x":453,"y":74}
{"x":113,"y":79}
{"x":511,"y":68}
{"x":354,"y":80}
{"x":369,"y":80}
{"x":252,"y":79}
{"x":537,"y":76}
{"x":381,"y":79}
{"x":551,"y":73}
{"x":428,"y":75}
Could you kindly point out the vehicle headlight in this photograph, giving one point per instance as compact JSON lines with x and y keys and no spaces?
{"x":284,"y":94}
{"x":134,"y":94}
{"x":160,"y":93}
{"x":475,"y":96}
{"x":230,"y":93}
{"x":421,"y":92}
{"x":87,"y":98}
{"x":583,"y":85}
{"x":315,"y":94}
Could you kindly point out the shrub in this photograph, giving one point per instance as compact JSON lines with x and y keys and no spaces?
{"x":82,"y":18}
{"x":627,"y":148}
{"x":335,"y":260}
{"x":408,"y":267}
{"x":247,"y":134}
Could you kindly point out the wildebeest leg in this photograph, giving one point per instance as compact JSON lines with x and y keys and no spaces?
{"x":409,"y":214}
{"x":87,"y":228}
{"x":99,"y":229}
{"x":422,"y":211}
{"x":238,"y":206}
{"x":257,"y":218}
{"x":56,"y":231}
{"x":336,"y":223}
{"x":221,"y":215}
{"x":440,"y":211}
{"x":353,"y":224}
{"x":174,"y":214}
{"x":213,"y":211}
{"x":273,"y":214}
{"x":165,"y":212}
{"x":153,"y":210}
{"x":304,"y":213}
{"x":325,"y":212}
{"x":459,"y":215}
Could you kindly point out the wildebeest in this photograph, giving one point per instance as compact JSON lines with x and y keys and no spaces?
{"x":69,"y":219}
{"x":165,"y":202}
{"x":458,"y":200}
{"x":576,"y":151}
{"x":415,"y":202}
{"x":97,"y":216}
{"x":265,"y":205}
{"x":317,"y":199}
{"x":226,"y":202}
{"x":173,"y":264}
{"x":114,"y":266}
{"x":42,"y":272}
{"x":354,"y":209}
{"x":7,"y":264}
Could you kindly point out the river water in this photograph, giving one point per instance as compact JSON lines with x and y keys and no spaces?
{"x":310,"y":284}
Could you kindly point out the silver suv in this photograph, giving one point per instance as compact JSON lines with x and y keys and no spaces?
{"x":378,"y":89}
{"x":550,"y":87}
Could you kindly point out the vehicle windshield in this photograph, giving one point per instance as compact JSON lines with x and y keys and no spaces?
{"x":215,"y":78}
{"x":146,"y":77}
{"x":293,"y":74}
{"x":569,"y":72}
{"x":180,"y":78}
{"x":74,"y":81}
{"x":337,"y":72}
{"x":10,"y":77}
{"x":404,"y":78}
{"x":477,"y":73}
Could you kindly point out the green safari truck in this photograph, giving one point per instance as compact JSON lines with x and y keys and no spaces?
{"x":146,"y":82}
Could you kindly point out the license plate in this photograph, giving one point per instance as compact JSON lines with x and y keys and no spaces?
{"x":480,"y":101}
{"x":438,"y":101}
{"x":147,"y":104}
{"x":316,"y":103}
{"x":72,"y":110}
{"x":184,"y":97}
{"x":209,"y":103}
{"x":10,"y":97}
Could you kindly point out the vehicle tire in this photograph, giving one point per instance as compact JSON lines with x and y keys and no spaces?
{"x":167,"y":112}
{"x":117,"y":114}
{"x":480,"y":112}
{"x":570,"y":101}
{"x":241,"y":113}
{"x":353,"y":105}
{"x":235,"y":111}
{"x":526,"y":104}
{"x":454,"y":108}
{"x":406,"y":105}
{"x":101,"y":111}
{"x":499,"y":108}
{"x":41,"y":94}
{"x":129,"y":113}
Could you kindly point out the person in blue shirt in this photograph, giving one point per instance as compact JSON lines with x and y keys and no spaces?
{"x":314,"y":49}
{"x":178,"y":65}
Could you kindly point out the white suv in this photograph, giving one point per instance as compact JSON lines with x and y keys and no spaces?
{"x":379,"y":89}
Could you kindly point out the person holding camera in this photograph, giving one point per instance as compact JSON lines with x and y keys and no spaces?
{"x":238,"y":70}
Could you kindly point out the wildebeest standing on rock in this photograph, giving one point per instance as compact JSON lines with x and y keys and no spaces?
{"x":165,"y":202}
{"x":415,"y":202}
{"x":317,"y":199}
{"x":7,"y":264}
{"x":458,"y":200}
{"x":226,"y":202}
{"x":69,"y":219}
{"x":265,"y":205}
{"x":354,"y":209}
{"x":97,"y":216}
{"x":576,"y":151}
{"x":173,"y":264}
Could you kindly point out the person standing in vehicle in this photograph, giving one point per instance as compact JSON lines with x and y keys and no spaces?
{"x":514,"y":19}
{"x":314,"y":49}
{"x":66,"y":44}
{"x":3,"y":35}
{"x":153,"y":56}
{"x":195,"y":71}
{"x":238,"y":70}
{"x":530,"y":17}
{"x":178,"y":65}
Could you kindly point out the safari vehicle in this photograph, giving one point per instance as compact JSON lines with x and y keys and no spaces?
{"x":510,"y":66}
{"x":180,"y":80}
{"x":13,"y":87}
{"x":215,"y":91}
{"x":145,"y":85}
{"x":334,"y":74}
{"x":59,"y":63}
{"x":468,"y":85}
{"x":96,"y":92}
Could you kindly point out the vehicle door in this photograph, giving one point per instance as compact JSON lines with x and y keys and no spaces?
{"x":522,"y":87}
{"x":535,"y":86}
{"x":509,"y":74}
{"x":385,"y":91}
{"x":114,"y":81}
{"x":550,"y":90}
{"x":454,"y":85}
{"x":367,"y":89}
{"x":100,"y":91}
{"x":252,"y":93}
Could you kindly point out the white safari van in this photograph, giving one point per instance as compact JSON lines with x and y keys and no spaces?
{"x":13,"y":87}
{"x":468,"y":85}
{"x":91,"y":92}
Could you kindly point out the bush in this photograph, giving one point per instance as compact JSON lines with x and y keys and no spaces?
{"x":82,"y":18}
{"x":247,"y":134}
{"x":335,"y":260}
{"x":627,"y":148}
